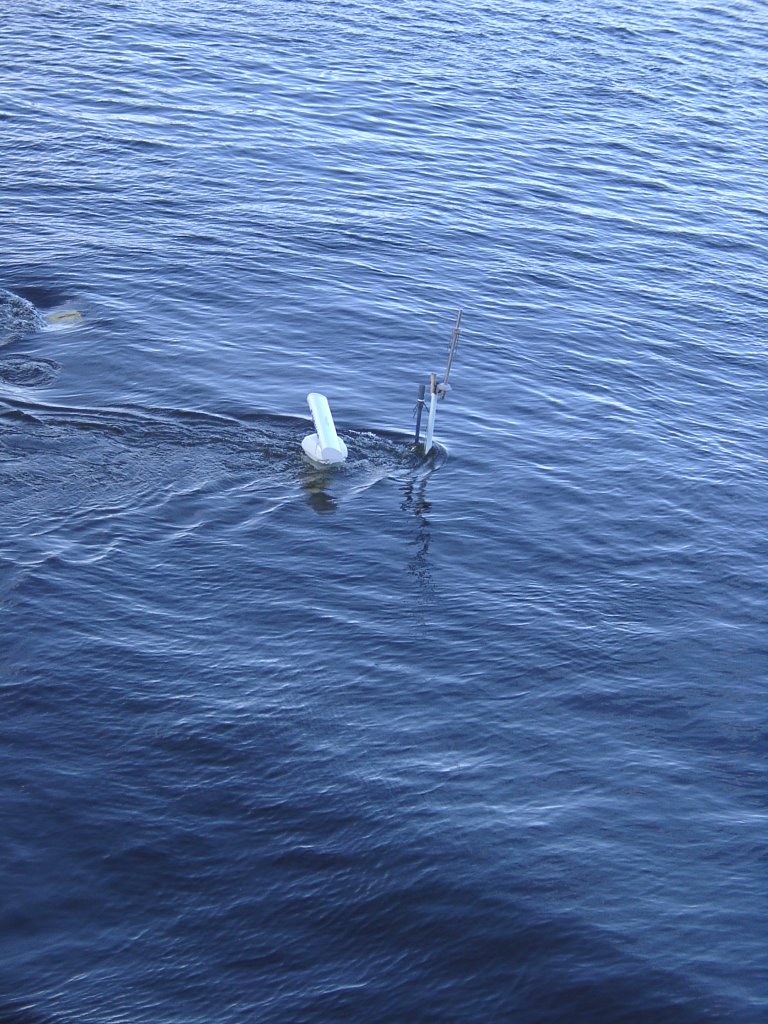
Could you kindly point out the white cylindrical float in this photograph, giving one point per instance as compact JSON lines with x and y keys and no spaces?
{"x":432,"y":411}
{"x":325,"y":445}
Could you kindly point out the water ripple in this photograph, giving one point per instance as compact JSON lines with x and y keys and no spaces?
{"x":28,"y":371}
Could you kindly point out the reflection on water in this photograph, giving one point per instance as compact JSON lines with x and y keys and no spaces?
{"x":415,"y":502}
{"x":315,"y":481}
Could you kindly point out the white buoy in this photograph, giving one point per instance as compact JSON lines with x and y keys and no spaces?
{"x":325,"y":445}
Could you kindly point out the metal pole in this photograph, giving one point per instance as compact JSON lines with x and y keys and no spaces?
{"x":432,"y":411}
{"x":419,"y":411}
{"x":452,"y":349}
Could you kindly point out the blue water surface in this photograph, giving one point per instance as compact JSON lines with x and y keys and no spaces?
{"x":474,"y":738}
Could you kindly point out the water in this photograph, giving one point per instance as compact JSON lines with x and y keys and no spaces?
{"x":479,"y":738}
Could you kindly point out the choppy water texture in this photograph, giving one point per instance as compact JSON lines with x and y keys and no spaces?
{"x":478,"y":739}
{"x":18,"y":317}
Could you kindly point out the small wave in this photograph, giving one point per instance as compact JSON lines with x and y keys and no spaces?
{"x":28,"y":371}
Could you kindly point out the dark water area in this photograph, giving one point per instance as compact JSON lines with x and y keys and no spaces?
{"x":472,"y":738}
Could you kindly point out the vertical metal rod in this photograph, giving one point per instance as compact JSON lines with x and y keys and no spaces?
{"x":419,"y":411}
{"x":454,"y":342}
{"x":432,"y":411}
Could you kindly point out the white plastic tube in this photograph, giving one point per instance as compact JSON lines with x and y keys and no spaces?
{"x":432,"y":411}
{"x":325,"y":445}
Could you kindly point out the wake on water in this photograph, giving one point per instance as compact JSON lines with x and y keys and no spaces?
{"x":148,"y":471}
{"x":161,"y":466}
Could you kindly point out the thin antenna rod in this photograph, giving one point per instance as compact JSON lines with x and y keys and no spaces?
{"x":436,"y":390}
{"x":454,"y":342}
